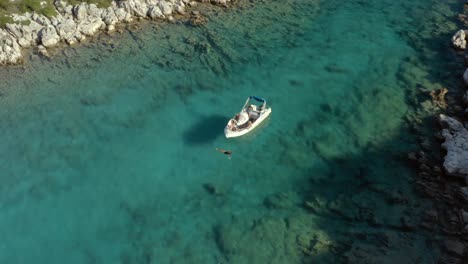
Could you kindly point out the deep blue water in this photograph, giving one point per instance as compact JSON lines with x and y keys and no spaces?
{"x":108,"y":149}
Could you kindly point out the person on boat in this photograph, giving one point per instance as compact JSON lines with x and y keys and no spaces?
{"x":253,"y":115}
{"x":249,"y":109}
{"x":233,"y":124}
{"x":225,"y":152}
{"x":233,"y":127}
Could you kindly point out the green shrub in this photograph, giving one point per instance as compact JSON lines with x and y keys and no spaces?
{"x":29,"y":6}
{"x":4,"y":20}
{"x":25,"y":22}
{"x":4,"y":4}
{"x":100,"y":3}
{"x":103,"y":3}
{"x":49,"y":10}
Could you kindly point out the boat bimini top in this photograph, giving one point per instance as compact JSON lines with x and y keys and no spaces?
{"x":258,"y":99}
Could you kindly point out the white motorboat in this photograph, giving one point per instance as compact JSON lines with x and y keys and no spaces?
{"x":248,"y":118}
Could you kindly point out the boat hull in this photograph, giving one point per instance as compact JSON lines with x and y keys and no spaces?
{"x":231,"y":134}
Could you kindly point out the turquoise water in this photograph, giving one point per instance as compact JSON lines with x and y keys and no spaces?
{"x":108,"y":149}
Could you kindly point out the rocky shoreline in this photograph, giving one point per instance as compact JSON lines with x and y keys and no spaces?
{"x":75,"y":23}
{"x":443,"y":175}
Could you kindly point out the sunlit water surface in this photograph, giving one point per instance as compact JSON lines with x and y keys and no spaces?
{"x":108,"y":149}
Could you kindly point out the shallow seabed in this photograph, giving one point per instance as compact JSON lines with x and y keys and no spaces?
{"x":108,"y":149}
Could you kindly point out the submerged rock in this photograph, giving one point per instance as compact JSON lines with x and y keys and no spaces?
{"x":220,"y":2}
{"x":270,"y":240}
{"x":456,"y":145}
{"x":279,"y":201}
{"x":197,"y":19}
{"x":454,"y":247}
{"x":42,"y":50}
{"x":212,"y":189}
{"x":438,"y":97}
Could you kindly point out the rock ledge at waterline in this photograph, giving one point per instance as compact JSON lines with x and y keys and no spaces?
{"x":73,"y":24}
{"x":456,"y":145}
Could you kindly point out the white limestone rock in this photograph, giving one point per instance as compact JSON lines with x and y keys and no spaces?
{"x":42,"y":20}
{"x":459,"y":40}
{"x":135,"y":7}
{"x":109,"y":17}
{"x":91,"y":27}
{"x":66,"y":29}
{"x":140,"y":9}
{"x":171,"y":19}
{"x":22,"y":33}
{"x":166,"y":7}
{"x":57,"y":19}
{"x":123,"y":15}
{"x":25,"y":43}
{"x":49,"y":36}
{"x":15,"y":29}
{"x":180,"y":9}
{"x":94,"y":11}
{"x":150,"y":2}
{"x":219,"y":2}
{"x":68,"y":10}
{"x":155,"y":12}
{"x":456,"y":145}
{"x":80,"y":11}
{"x":42,"y":50}
{"x":35,"y":27}
{"x":10,"y":51}
{"x":110,"y":28}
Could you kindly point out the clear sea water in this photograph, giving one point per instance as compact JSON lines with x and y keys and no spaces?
{"x":108,"y":149}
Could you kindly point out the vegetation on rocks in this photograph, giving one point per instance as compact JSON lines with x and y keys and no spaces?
{"x":99,"y":3}
{"x":47,"y":8}
{"x":8,"y":7}
{"x":4,"y":19}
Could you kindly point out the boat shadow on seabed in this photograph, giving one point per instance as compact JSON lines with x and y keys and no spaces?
{"x":205,"y":130}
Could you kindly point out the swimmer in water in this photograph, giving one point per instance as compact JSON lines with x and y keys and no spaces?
{"x":225,"y":152}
